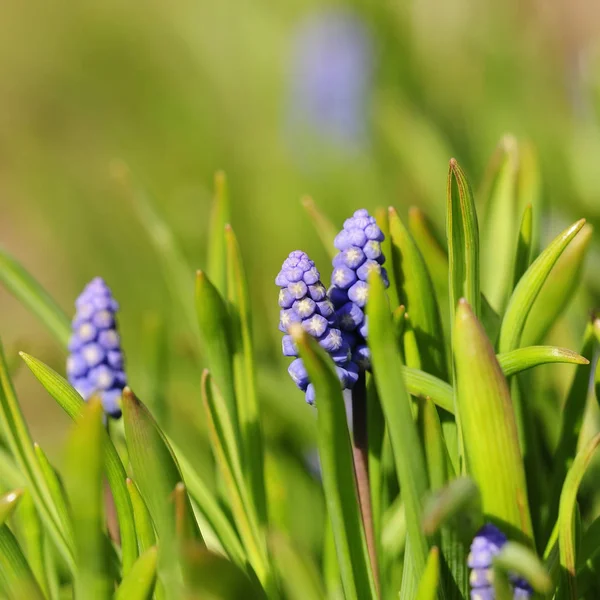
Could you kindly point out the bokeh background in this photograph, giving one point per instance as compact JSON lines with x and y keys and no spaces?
{"x":359,"y":104}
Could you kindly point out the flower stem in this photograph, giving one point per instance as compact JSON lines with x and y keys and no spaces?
{"x":360,"y":450}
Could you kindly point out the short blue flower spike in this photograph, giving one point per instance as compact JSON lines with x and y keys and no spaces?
{"x":359,"y":245}
{"x":95,"y":364}
{"x":303,"y":299}
{"x":486,"y":544}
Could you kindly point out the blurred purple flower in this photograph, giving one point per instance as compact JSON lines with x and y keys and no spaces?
{"x":331,"y":78}
{"x":95,"y":363}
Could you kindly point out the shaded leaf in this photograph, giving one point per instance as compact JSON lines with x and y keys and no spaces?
{"x":325,"y":229}
{"x":139,"y":582}
{"x":428,"y":586}
{"x":519,"y":560}
{"x":221,"y":214}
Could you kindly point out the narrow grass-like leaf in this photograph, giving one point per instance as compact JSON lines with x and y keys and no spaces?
{"x":417,"y":294}
{"x":457,"y":504}
{"x":71,"y":402}
{"x":428,"y":586}
{"x":375,"y":437}
{"x":216,"y":578}
{"x":28,"y":291}
{"x":157,"y":473}
{"x":521,"y":359}
{"x":8,"y":503}
{"x":383,"y":220}
{"x":215,"y":334}
{"x":436,"y":455}
{"x":298,"y":574}
{"x":571,"y":421}
{"x":244,"y":369}
{"x":325,"y":229}
{"x":558,"y":289}
{"x":566,"y":521}
{"x":221,"y":214}
{"x":211,"y":510}
{"x":463,"y":241}
{"x":176,"y":269}
{"x":16,"y":577}
{"x":226,"y":451}
{"x":529,"y":286}
{"x":83,"y":481}
{"x":31,"y":537}
{"x":16,"y":434}
{"x":524,"y":251}
{"x":519,"y":560}
{"x":421,"y":384}
{"x":529,"y":189}
{"x":402,"y":430}
{"x":143,"y":521}
{"x":501,"y":583}
{"x":490,"y":434}
{"x":490,"y":320}
{"x":433,"y":251}
{"x":155,"y":345}
{"x":337,"y":470}
{"x":141,"y":579}
{"x":499,"y":224}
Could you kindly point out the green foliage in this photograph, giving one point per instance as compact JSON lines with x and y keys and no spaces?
{"x":461,"y":427}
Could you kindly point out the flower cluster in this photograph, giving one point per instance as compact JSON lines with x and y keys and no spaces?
{"x":303,"y":299}
{"x":359,"y":245}
{"x":487,"y":543}
{"x":95,"y":363}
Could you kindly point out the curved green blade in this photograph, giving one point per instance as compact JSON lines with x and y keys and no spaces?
{"x":337,"y":470}
{"x":139,"y":582}
{"x":521,"y":359}
{"x":428,"y":586}
{"x":220,"y":215}
{"x":325,"y":229}
{"x":517,"y":559}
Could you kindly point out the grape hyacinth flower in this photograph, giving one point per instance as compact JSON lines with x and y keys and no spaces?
{"x":359,"y":245}
{"x":331,"y":78}
{"x":487,"y":543}
{"x":95,"y":363}
{"x":303,"y":299}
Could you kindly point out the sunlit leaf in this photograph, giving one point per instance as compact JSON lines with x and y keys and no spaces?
{"x":221,"y":214}
{"x":143,"y":521}
{"x":519,"y":560}
{"x":521,"y":359}
{"x":325,"y":229}
{"x":524,"y":251}
{"x":139,"y":582}
{"x":428,"y":586}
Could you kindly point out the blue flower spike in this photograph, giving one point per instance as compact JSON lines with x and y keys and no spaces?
{"x":95,"y":363}
{"x":486,"y":544}
{"x":303,"y":299}
{"x":359,"y":245}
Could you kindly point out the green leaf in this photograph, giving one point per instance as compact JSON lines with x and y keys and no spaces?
{"x":529,"y":189}
{"x":337,"y":470}
{"x":143,"y":521}
{"x":383,"y":220}
{"x":402,"y":430}
{"x":433,"y":251}
{"x":457,"y":504}
{"x":521,"y":359}
{"x":139,"y":582}
{"x":423,"y":385}
{"x":524,"y":252}
{"x":428,"y":586}
{"x":225,"y":448}
{"x":16,"y":577}
{"x":215,"y":334}
{"x":157,"y":473}
{"x":417,"y":294}
{"x":83,"y":482}
{"x":221,"y":214}
{"x":436,"y":455}
{"x":216,"y":578}
{"x":18,"y":439}
{"x":71,"y":402}
{"x":519,"y":560}
{"x":244,"y":369}
{"x":28,"y":291}
{"x":8,"y":503}
{"x":298,"y":574}
{"x":559,"y":288}
{"x":489,"y":429}
{"x":529,"y":286}
{"x":572,"y":420}
{"x":211,"y":510}
{"x":463,"y":241}
{"x":155,"y":347}
{"x":566,"y":521}
{"x":326,"y":230}
{"x":176,"y":269}
{"x":499,"y":224}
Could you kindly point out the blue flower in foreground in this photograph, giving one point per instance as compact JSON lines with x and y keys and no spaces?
{"x":303,"y":299}
{"x":95,"y":363}
{"x":486,"y":544}
{"x":359,"y":245}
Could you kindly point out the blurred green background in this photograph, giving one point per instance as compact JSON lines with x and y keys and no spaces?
{"x":179,"y":90}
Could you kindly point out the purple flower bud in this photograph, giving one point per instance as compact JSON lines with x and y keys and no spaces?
{"x":95,"y":363}
{"x":343,"y":277}
{"x":332,"y":340}
{"x":285,"y":298}
{"x":298,"y":373}
{"x":359,"y":293}
{"x":352,"y":257}
{"x":367,"y":268}
{"x":372,"y":250}
{"x":305,"y":308}
{"x":338,"y":296}
{"x":362,"y":356}
{"x":350,"y":316}
{"x":317,"y":292}
{"x":316,"y":325}
{"x":486,"y":544}
{"x":310,"y":394}
{"x":288,"y":347}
